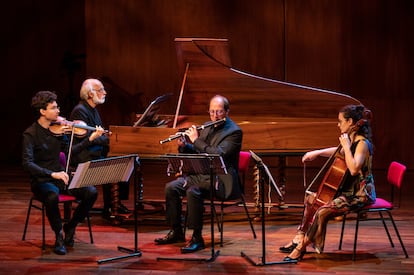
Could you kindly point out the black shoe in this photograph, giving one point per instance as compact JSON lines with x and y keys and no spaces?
{"x":174,"y":236}
{"x":288,"y":249}
{"x":69,"y":235}
{"x":107,"y":214}
{"x":294,"y":260}
{"x":60,"y":248}
{"x":122,"y":209}
{"x":194,"y":245}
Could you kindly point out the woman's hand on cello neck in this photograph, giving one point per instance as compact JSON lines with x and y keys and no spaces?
{"x":345,"y":141}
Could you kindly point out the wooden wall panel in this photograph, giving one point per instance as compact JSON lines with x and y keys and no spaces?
{"x":362,"y":48}
{"x":313,"y":43}
{"x":132,"y":42}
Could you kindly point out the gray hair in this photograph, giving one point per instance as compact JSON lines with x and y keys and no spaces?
{"x":87,"y":87}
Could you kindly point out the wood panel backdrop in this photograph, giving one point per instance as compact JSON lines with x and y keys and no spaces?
{"x":360,"y":48}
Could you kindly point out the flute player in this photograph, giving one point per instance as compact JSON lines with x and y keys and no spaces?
{"x":224,"y":139}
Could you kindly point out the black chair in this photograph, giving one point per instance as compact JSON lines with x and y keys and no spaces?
{"x":66,"y":200}
{"x":244,"y":161}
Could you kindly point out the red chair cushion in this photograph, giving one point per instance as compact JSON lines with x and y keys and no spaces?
{"x":63,"y":198}
{"x":379,"y":203}
{"x":244,"y":160}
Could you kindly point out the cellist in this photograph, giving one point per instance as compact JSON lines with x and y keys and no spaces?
{"x":357,"y":187}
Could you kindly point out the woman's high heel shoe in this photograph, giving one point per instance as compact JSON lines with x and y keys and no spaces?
{"x":288,"y":249}
{"x":299,"y":258}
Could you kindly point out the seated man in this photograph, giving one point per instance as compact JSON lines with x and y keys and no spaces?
{"x":92,"y":94}
{"x":40,"y":157}
{"x":224,"y":139}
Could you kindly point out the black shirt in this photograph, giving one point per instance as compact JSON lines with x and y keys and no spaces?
{"x":100,"y":146}
{"x":41,"y":151}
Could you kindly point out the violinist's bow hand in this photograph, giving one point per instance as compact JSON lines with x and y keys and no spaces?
{"x":62,"y":175}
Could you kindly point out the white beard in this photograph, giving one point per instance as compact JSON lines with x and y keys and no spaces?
{"x":98,"y":101}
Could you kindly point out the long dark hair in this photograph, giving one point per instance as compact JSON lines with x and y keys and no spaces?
{"x":359,"y":114}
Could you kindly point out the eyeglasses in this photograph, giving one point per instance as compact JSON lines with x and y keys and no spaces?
{"x":53,"y":108}
{"x":216,"y":112}
{"x":101,"y":90}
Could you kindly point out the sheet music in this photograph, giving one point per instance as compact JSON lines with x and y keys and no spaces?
{"x":195,"y":163}
{"x":103,"y":171}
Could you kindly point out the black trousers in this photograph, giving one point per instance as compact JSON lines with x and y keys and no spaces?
{"x":48,"y":194}
{"x":196,"y":188}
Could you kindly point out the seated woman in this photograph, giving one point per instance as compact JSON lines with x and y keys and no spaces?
{"x":356,"y":190}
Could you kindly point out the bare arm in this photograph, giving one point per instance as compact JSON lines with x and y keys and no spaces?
{"x":353,"y":162}
{"x":311,"y":155}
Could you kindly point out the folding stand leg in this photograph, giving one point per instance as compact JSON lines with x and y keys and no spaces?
{"x":133,"y":252}
{"x":263,"y":257}
{"x":214,"y":254}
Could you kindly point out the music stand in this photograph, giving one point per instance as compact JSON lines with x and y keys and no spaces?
{"x":212,"y":164}
{"x":105,"y":171}
{"x":264,"y":171}
{"x":147,"y":118}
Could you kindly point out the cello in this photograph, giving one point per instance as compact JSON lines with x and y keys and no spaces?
{"x":332,"y":181}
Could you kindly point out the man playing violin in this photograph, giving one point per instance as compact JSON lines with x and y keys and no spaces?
{"x":92,"y":94}
{"x":41,"y":158}
{"x":356,"y":189}
{"x":224,"y":139}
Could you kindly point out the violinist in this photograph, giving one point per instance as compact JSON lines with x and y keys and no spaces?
{"x":92,"y":94}
{"x":40,"y":157}
{"x":357,"y":187}
{"x":224,"y":139}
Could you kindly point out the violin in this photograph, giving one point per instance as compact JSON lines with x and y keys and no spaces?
{"x":79,"y":128}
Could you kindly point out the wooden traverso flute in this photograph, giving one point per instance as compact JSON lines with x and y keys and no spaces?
{"x":181,"y":134}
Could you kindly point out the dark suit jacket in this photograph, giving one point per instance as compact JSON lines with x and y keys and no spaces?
{"x":225,"y":140}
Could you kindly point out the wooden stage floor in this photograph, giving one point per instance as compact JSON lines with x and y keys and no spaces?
{"x":374,"y":255}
